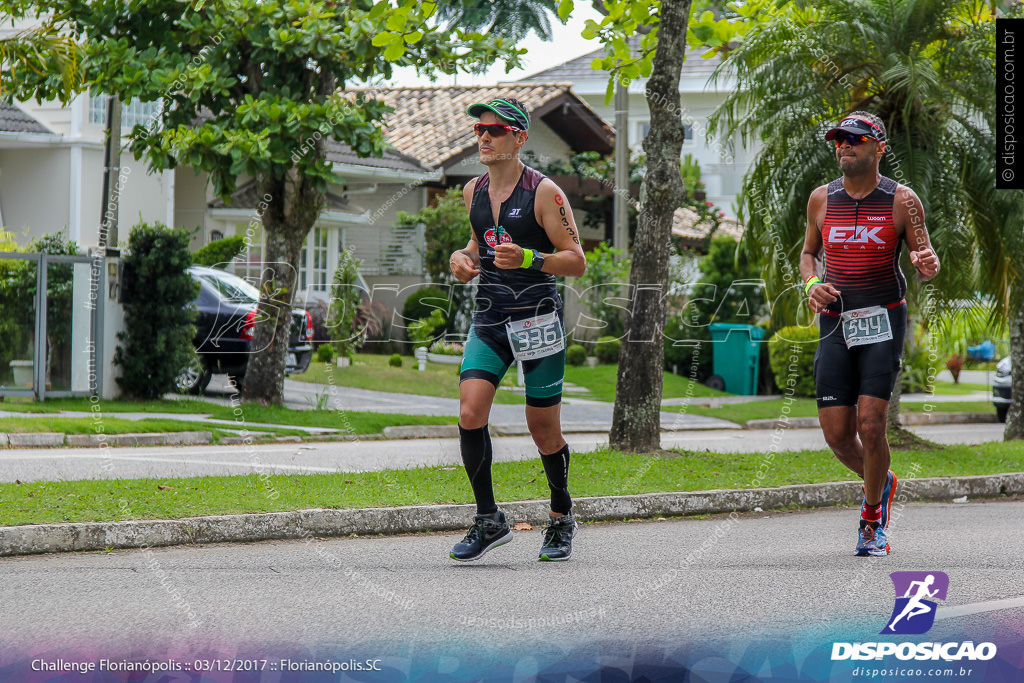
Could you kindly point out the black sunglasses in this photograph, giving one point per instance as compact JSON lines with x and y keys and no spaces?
{"x":854,"y":140}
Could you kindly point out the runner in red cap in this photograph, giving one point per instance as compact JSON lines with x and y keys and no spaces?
{"x":859,"y":221}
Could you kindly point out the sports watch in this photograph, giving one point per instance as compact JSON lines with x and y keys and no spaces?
{"x":538,"y":261}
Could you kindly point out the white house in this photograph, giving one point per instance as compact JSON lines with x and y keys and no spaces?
{"x":722,"y":170}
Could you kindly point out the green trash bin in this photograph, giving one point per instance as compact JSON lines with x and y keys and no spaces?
{"x":736,"y":357}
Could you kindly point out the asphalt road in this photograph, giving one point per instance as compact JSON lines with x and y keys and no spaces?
{"x":56,"y":464}
{"x":736,"y":585}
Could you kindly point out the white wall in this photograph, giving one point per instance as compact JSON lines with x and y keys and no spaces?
{"x":721,"y":171}
{"x":190,"y":200}
{"x":34,"y":191}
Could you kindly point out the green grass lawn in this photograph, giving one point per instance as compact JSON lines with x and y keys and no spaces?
{"x":951,"y":389}
{"x":250,"y":413}
{"x":111,"y":425}
{"x":601,"y":382}
{"x":598,"y":473}
{"x":373,"y":372}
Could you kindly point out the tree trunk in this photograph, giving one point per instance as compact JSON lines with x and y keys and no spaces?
{"x":289,"y":205}
{"x":636,"y":423}
{"x":1015,"y":417}
{"x":293,"y":205}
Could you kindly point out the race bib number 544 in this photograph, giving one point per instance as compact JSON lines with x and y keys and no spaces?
{"x":866,"y":326}
{"x":536,"y":337}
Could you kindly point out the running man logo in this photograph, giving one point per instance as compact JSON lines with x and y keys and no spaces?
{"x":856,"y":234}
{"x":913,"y":613}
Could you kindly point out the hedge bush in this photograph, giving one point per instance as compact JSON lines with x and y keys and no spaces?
{"x":422,"y":303}
{"x":607,"y":349}
{"x":156,"y":294}
{"x":395,"y":360}
{"x":219,"y":252}
{"x":325,"y":354}
{"x":576,"y":355}
{"x":789,"y":346}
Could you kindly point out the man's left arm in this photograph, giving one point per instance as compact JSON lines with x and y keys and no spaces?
{"x":553,"y":212}
{"x":922,"y":256}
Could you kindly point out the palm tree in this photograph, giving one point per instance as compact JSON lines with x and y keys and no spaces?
{"x":45,"y":49}
{"x":998,"y":239}
{"x":925,"y":67}
{"x":514,"y":19}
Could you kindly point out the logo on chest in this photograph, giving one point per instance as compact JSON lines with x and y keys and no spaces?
{"x":515,"y":213}
{"x":492,"y":239}
{"x":856,"y":234}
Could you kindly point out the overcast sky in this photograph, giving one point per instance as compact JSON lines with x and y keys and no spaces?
{"x":567,"y":44}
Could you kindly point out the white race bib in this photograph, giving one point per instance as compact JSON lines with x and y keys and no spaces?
{"x":866,"y":326}
{"x":537,"y":337}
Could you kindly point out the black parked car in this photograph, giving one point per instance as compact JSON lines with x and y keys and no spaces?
{"x":227,"y":315}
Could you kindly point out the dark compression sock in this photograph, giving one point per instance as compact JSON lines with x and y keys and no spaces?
{"x":476,"y":456}
{"x":556,"y":466}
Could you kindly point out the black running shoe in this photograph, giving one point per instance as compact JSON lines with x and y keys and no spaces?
{"x":486,"y":533}
{"x":558,"y":535}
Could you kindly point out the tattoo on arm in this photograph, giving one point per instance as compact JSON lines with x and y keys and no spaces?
{"x":565,"y":221}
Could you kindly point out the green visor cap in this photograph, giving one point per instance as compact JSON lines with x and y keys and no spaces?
{"x":505,"y":110}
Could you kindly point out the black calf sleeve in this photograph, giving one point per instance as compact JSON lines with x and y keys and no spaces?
{"x":475,"y":445}
{"x":556,"y":467}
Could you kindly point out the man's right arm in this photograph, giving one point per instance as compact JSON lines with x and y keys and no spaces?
{"x":465,"y":263}
{"x":821,"y":294}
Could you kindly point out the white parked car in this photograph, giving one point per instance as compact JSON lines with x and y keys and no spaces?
{"x":1001,"y":389}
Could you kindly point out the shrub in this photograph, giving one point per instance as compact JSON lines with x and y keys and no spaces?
{"x":606,"y":278}
{"x":343,"y":325}
{"x":219,"y":252}
{"x":576,"y":355}
{"x":918,"y":369}
{"x":422,"y":303}
{"x":325,"y":354}
{"x":607,"y":349}
{"x":424,"y":331}
{"x":794,"y":346}
{"x":447,"y":349}
{"x":688,"y":349}
{"x":395,"y":360}
{"x":156,"y":293}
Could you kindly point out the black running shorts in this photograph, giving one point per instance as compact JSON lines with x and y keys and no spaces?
{"x":841,"y":375}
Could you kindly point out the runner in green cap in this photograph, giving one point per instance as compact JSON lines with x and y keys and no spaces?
{"x":523,"y":236}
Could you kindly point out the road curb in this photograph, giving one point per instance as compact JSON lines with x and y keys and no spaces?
{"x":308,"y":524}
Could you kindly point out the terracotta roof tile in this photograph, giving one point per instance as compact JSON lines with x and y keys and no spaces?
{"x":430,"y":124}
{"x":685,"y":224}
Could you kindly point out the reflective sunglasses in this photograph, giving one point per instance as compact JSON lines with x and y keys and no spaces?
{"x":854,"y":140}
{"x":495,"y":130}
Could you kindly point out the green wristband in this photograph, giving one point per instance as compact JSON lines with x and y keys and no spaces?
{"x":527,"y":258}
{"x":811,"y":281}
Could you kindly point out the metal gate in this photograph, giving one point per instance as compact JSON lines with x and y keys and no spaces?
{"x":50,"y":340}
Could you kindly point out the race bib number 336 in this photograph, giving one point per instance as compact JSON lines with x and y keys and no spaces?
{"x":536,"y":337}
{"x":866,"y":326}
